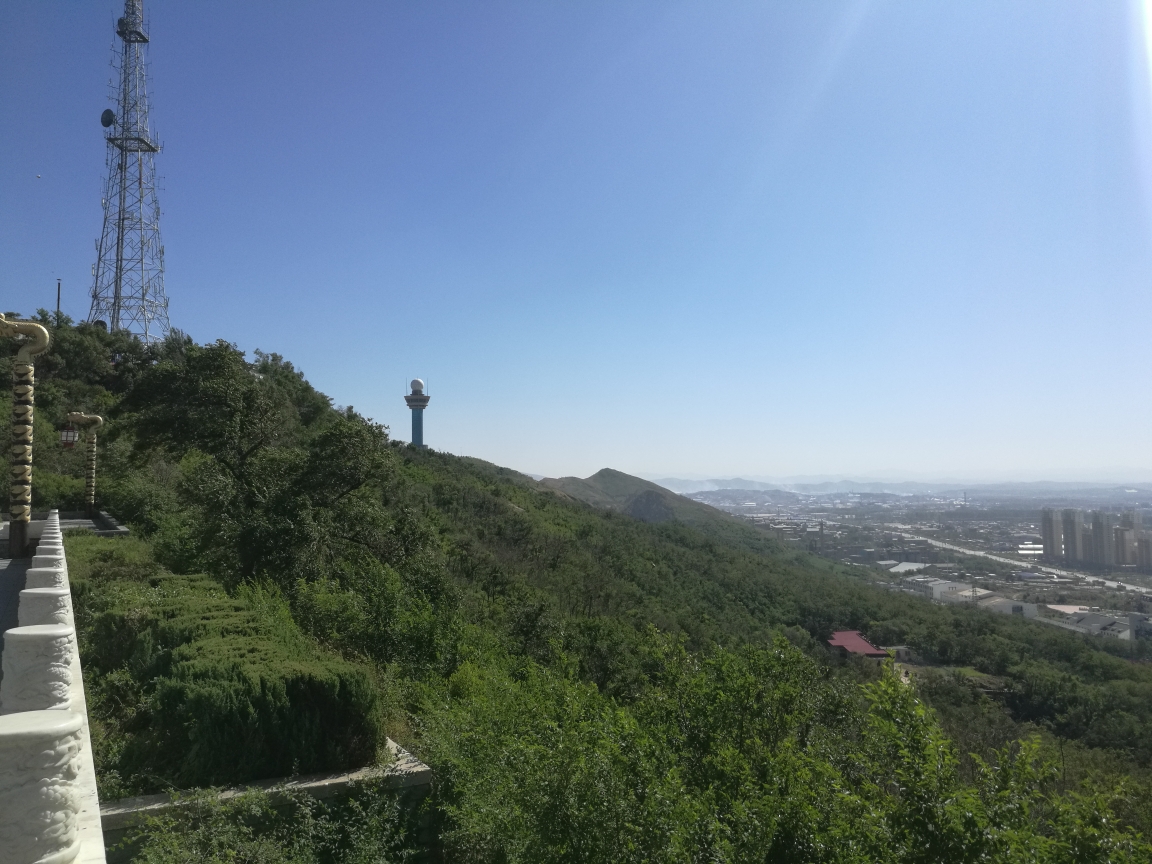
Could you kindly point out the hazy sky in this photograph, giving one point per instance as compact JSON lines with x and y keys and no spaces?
{"x":900,"y":239}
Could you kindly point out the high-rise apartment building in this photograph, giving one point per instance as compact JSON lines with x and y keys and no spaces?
{"x":1072,"y":532}
{"x":1125,"y":543}
{"x":1144,"y":552}
{"x":1103,"y":538}
{"x":1052,"y":533}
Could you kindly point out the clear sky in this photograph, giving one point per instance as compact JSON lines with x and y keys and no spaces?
{"x":897,"y":239}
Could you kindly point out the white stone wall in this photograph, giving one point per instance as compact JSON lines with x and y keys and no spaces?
{"x":49,"y":811}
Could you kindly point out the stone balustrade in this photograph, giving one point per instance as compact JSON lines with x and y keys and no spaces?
{"x":39,"y":804}
{"x":49,"y":812}
{"x":37,"y":668}
{"x":50,"y":574}
{"x":45,"y":606}
{"x":54,"y":560}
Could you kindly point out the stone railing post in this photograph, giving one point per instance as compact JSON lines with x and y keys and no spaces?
{"x":37,"y":668}
{"x":48,"y":572}
{"x":45,"y":606}
{"x":23,"y":397}
{"x":94,"y":422}
{"x":39,"y":793}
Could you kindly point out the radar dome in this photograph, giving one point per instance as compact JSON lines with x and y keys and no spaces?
{"x":417,"y":385}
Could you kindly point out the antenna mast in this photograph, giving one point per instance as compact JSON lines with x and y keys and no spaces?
{"x":128,"y":277}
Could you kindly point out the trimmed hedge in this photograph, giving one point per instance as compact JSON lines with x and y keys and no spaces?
{"x":189,"y":686}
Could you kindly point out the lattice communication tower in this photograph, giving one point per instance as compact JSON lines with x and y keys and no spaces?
{"x":128,"y":277}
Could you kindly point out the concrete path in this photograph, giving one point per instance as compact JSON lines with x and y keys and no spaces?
{"x":11,"y":584}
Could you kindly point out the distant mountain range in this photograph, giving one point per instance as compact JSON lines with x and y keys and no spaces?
{"x":686,"y":487}
{"x":663,"y":499}
{"x":1038,"y":489}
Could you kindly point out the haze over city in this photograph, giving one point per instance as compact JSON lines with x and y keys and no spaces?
{"x":866,"y":239}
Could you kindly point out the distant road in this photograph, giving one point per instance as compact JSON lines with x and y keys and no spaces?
{"x":1017,"y":563}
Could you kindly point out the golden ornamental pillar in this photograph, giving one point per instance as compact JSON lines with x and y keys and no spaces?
{"x":35,"y":342}
{"x":94,"y":422}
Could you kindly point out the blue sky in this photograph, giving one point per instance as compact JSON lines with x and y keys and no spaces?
{"x":885,"y":239}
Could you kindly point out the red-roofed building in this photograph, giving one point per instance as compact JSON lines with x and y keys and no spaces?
{"x":853,"y":643}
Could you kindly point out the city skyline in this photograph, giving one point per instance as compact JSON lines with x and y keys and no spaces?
{"x":754,"y":240}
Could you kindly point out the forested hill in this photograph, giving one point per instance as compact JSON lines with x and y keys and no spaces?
{"x":640,"y":499}
{"x":588,"y":685}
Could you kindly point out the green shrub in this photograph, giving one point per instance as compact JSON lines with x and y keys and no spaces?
{"x":280,"y":827}
{"x":190,"y":686}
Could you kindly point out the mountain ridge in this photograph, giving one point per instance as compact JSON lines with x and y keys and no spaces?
{"x":1023,"y":489}
{"x":609,"y":489}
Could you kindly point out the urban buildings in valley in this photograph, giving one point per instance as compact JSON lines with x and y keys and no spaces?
{"x":1041,"y":555}
{"x":1099,"y":539}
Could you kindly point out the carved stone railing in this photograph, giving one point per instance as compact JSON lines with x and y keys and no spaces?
{"x":45,"y":606}
{"x":39,"y":800}
{"x":49,"y":812}
{"x":37,"y":668}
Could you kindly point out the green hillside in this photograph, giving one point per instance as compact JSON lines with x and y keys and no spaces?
{"x":614,"y":490}
{"x":591,"y":678}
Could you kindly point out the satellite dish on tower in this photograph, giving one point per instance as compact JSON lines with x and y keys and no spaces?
{"x":107,"y":118}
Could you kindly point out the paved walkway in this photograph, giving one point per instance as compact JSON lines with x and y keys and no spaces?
{"x":11,"y":584}
{"x":103,"y":525}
